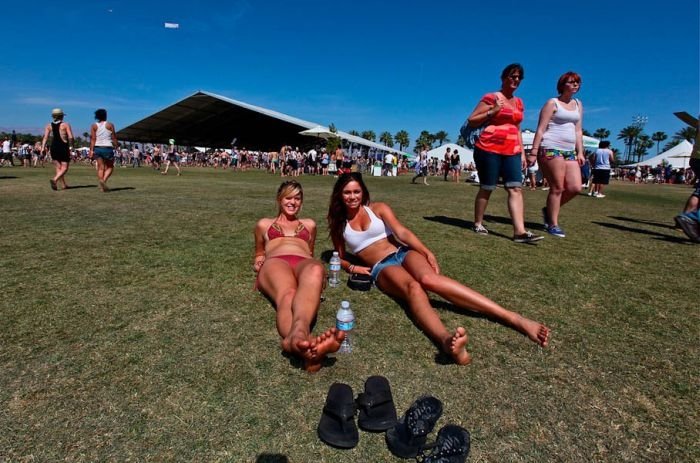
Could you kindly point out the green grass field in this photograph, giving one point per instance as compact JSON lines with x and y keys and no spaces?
{"x":130,"y":331}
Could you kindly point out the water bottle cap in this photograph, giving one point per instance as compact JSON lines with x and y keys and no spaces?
{"x":335,"y":253}
{"x":345,"y":305}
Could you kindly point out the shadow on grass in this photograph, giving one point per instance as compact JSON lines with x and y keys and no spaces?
{"x":112,"y":190}
{"x":508,"y":221}
{"x":78,"y":187}
{"x":5,"y":177}
{"x":656,"y":235}
{"x":459,"y":223}
{"x":468,"y":225}
{"x":298,"y":363}
{"x":272,"y":458}
{"x":645,"y":222}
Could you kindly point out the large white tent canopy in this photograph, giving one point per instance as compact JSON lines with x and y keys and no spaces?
{"x":588,"y":142}
{"x":215,"y":121}
{"x":466,"y":155}
{"x":678,"y":157}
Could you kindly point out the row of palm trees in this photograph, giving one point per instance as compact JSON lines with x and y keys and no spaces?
{"x":402,"y":139}
{"x":637,"y":143}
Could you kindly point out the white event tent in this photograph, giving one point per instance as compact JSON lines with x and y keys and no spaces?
{"x":465,"y":154}
{"x":589,"y":143}
{"x":677,"y":157}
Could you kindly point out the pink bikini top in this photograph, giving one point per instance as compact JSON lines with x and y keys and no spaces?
{"x":275,"y":231}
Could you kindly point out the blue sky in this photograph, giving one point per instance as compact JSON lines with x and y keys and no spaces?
{"x":412,"y":65}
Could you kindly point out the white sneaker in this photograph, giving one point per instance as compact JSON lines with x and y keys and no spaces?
{"x":600,"y":195}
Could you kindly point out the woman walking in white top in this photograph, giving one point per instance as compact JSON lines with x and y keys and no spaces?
{"x":103,"y":142}
{"x":558,"y":148}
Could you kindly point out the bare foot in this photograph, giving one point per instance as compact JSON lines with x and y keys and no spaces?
{"x":328,"y":342}
{"x":457,"y":347}
{"x":536,"y":331}
{"x":300,"y":345}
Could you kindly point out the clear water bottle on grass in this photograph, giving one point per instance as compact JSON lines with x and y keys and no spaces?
{"x":345,"y":321}
{"x":334,"y":271}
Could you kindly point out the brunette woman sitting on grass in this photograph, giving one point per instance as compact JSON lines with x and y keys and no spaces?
{"x":404,"y":268}
{"x":292,"y":279}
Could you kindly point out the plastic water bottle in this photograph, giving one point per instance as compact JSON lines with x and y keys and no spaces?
{"x":345,"y":321}
{"x":334,"y":271}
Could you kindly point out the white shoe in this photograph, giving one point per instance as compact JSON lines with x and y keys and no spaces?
{"x":600,"y":195}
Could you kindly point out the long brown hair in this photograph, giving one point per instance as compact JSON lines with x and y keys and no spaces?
{"x":337,"y":213}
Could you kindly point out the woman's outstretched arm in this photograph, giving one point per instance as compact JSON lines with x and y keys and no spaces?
{"x":403,"y":234}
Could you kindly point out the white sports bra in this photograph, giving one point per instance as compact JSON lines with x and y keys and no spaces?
{"x":356,"y":241}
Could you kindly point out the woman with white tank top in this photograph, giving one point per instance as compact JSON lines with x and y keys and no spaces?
{"x":558,"y":148}
{"x":103,"y":142}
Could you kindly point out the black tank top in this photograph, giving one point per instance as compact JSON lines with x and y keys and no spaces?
{"x":57,"y":142}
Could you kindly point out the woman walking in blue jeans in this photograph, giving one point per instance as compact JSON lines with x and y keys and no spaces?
{"x":499,"y":152}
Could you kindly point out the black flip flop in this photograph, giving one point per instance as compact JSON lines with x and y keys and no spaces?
{"x":337,"y":426}
{"x":452,"y":446}
{"x":376,"y":405}
{"x":406,"y":439}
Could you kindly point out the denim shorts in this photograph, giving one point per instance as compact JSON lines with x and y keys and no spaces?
{"x":490,"y":166}
{"x":695,"y":165}
{"x":395,"y":258}
{"x":104,"y":152}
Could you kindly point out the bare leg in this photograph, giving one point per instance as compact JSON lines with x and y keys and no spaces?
{"x":100,"y":173}
{"x":692,"y":204}
{"x":480,"y":203}
{"x":466,"y":298}
{"x":61,"y":170}
{"x":516,"y":209}
{"x":108,"y":169}
{"x":572,"y":182}
{"x":297,"y":306}
{"x":555,"y":171}
{"x":397,"y":282}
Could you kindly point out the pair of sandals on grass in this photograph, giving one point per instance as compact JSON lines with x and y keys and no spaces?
{"x":406,"y":437}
